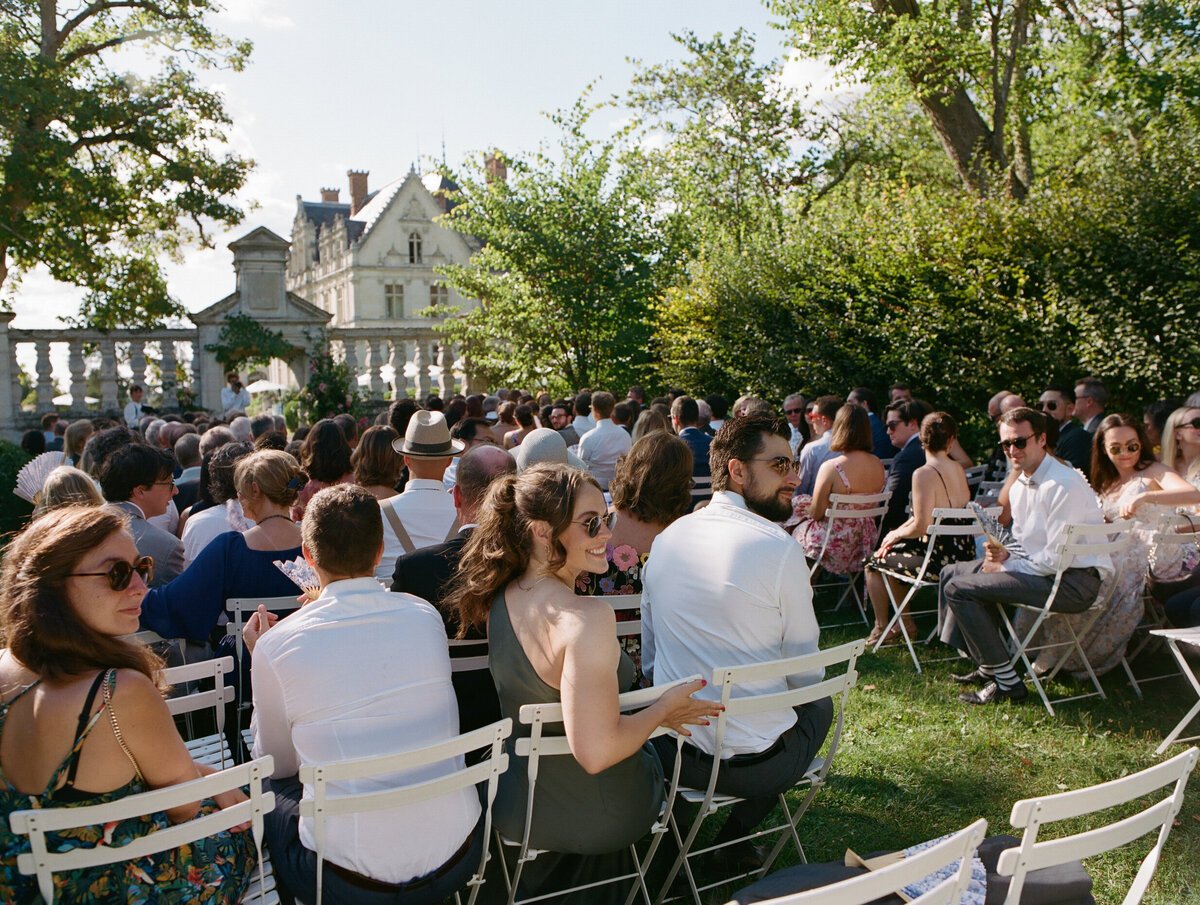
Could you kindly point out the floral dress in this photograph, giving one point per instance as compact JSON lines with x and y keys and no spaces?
{"x":851,"y":540}
{"x":624,"y":576}
{"x":1107,"y":639}
{"x":215,"y":870}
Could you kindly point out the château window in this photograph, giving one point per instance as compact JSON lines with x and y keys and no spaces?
{"x":393,"y":300}
{"x":414,"y":248}
{"x":438,"y":294}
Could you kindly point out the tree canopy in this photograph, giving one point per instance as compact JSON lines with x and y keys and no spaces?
{"x":104,"y":171}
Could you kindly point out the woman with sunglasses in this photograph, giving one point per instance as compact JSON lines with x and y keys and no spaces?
{"x":536,"y":533}
{"x":1131,"y":485}
{"x":83,"y":720}
{"x":1181,"y":443}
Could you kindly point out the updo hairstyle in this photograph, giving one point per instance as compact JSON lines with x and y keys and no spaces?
{"x":277,"y":475}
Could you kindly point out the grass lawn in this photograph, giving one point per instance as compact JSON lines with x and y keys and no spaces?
{"x":915,"y":763}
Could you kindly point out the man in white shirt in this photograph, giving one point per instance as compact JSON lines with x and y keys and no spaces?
{"x":423,"y":515}
{"x":584,"y":421}
{"x":793,"y":410}
{"x":726,"y":585}
{"x":359,"y":672}
{"x":133,"y":411}
{"x":1047,"y":496}
{"x":817,"y":450}
{"x":234,"y":397}
{"x":605,"y":443}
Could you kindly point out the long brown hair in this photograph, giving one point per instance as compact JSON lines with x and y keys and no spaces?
{"x":1104,"y":472}
{"x":500,"y":547}
{"x":39,"y":625}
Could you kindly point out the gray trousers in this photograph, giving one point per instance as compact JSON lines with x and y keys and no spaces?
{"x":969,"y":602}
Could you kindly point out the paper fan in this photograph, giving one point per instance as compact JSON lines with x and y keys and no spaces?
{"x":32,"y":478}
{"x":997,"y":533}
{"x":302,"y":575}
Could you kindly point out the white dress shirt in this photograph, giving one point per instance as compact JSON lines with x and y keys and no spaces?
{"x":796,"y":440}
{"x":231,"y":400}
{"x":583,"y":424}
{"x":362,"y":672}
{"x":812,"y":457}
{"x":601,"y":447}
{"x":450,"y":476}
{"x":426,"y":511}
{"x":725,"y":587}
{"x":1054,"y":496}
{"x":133,"y":414}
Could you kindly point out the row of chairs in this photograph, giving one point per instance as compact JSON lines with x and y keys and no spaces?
{"x":1029,"y":815}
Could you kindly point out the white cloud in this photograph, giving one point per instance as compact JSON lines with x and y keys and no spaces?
{"x":263,"y":13}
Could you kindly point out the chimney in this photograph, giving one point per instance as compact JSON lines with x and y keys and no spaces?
{"x":494,"y":167}
{"x":329,"y":196}
{"x":358,"y":190}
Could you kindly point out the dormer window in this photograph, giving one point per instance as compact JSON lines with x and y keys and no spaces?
{"x":414,"y":248}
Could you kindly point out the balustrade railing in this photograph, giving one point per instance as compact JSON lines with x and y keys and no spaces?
{"x":155,"y":357}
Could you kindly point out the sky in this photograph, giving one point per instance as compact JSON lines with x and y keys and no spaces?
{"x":381,"y":84}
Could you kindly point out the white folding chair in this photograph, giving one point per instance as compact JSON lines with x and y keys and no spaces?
{"x":323,"y":805}
{"x":539,"y":745}
{"x":1174,"y":637}
{"x":975,"y":475}
{"x":949,"y":857}
{"x":468,"y":663}
{"x":1171,"y":535}
{"x":710,"y":801}
{"x":851,"y":506}
{"x":212,"y":750}
{"x":627,"y":603}
{"x":939,"y":528}
{"x":988,"y":492}
{"x":1078,"y":540}
{"x":37,"y":823}
{"x":1032,"y":813}
{"x":701,"y":490}
{"x":239,"y":610}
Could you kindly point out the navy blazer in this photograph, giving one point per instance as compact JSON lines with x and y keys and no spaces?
{"x":899,"y":482}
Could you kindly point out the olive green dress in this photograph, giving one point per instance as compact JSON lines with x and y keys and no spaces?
{"x":574,"y":812}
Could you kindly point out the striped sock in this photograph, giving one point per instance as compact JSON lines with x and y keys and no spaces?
{"x":1003,"y":675}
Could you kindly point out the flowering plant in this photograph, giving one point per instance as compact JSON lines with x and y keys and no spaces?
{"x":332,"y":388}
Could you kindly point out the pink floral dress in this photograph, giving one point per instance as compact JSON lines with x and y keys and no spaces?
{"x":851,"y":542}
{"x":624,"y":576}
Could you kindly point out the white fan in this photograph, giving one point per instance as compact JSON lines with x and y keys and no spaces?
{"x":32,"y":477}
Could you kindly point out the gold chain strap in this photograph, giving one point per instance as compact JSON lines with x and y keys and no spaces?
{"x":109,"y":680}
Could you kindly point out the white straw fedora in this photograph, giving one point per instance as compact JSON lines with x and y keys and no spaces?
{"x":428,"y":437}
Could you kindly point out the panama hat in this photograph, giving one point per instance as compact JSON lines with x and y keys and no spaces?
{"x":545,"y":445}
{"x":428,"y":437}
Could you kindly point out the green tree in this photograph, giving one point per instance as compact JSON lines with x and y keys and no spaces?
{"x":574,"y":254}
{"x":101,"y":170}
{"x":990,"y":77}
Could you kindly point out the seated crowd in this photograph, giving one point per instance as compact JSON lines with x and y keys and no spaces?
{"x":497,"y":520}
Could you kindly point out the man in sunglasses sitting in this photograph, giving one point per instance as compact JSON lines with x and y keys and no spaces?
{"x":726,"y":585}
{"x":1046,"y":497}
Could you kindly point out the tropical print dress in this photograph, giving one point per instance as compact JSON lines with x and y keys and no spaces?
{"x":624,"y":576}
{"x":214,"y":870}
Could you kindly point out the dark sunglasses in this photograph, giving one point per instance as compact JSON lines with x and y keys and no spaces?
{"x":120,"y":573}
{"x":1132,"y":446}
{"x":592,"y":525}
{"x":1019,"y":443}
{"x":793,"y":411}
{"x":1195,"y":422}
{"x":892,"y":425}
{"x":1049,"y":406}
{"x":781,"y":465}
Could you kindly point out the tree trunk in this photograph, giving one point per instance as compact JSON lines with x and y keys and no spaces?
{"x":965,"y":136}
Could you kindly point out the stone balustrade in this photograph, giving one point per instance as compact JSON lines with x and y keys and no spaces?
{"x":155,"y":357}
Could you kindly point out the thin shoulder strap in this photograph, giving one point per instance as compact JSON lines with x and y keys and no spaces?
{"x":398,"y":526}
{"x":86,"y":720}
{"x":841,"y":473}
{"x":949,"y":499}
{"x":109,"y":684}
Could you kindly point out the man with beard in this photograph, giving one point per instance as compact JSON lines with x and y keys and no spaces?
{"x":726,"y":585}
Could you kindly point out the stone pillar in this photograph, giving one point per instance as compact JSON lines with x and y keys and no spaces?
{"x":78,"y":368}
{"x":375,"y":361}
{"x":422,"y":365}
{"x":446,"y":378}
{"x":137,"y":362}
{"x":45,"y":383}
{"x":170,"y":396}
{"x":399,"y":362}
{"x":108,"y":375}
{"x":10,"y":398}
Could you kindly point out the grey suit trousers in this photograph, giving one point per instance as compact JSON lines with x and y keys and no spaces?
{"x":969,"y":602}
